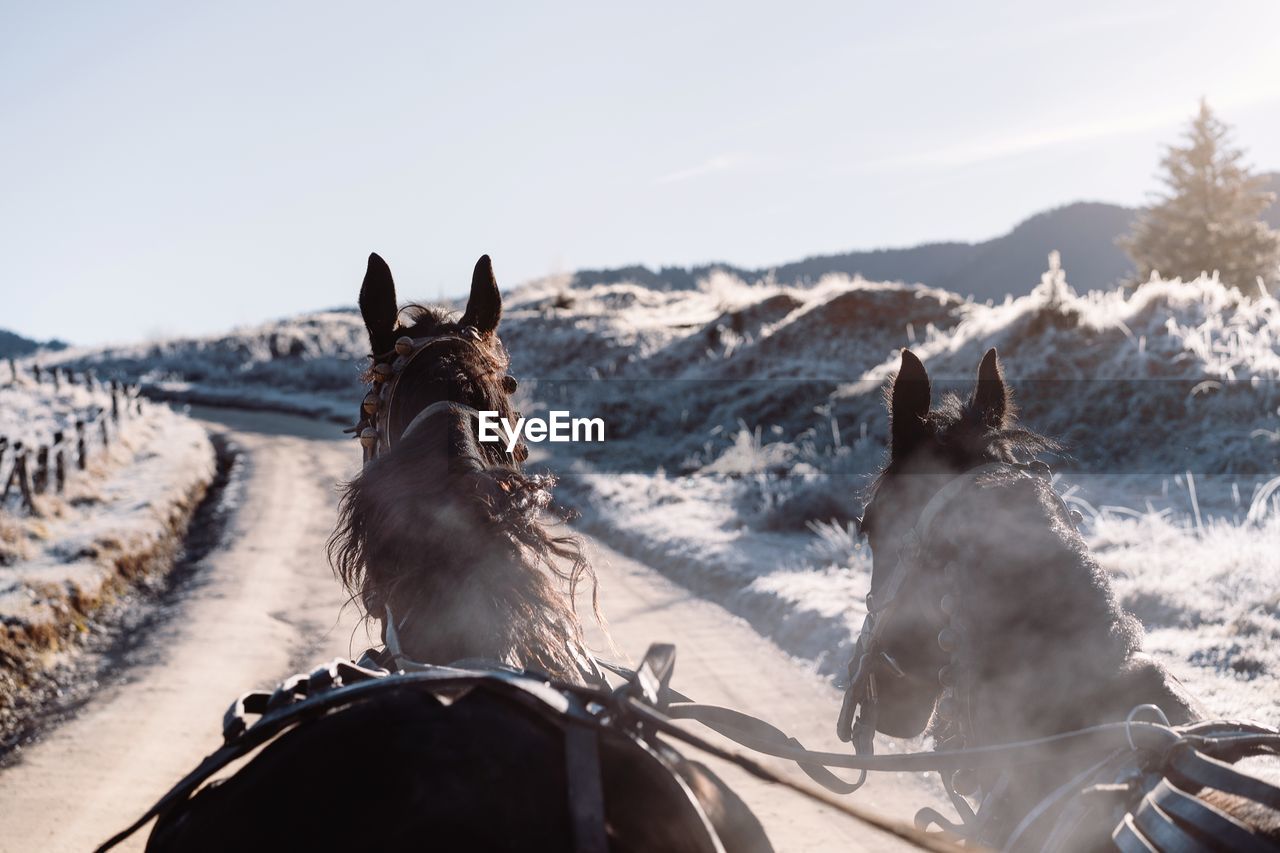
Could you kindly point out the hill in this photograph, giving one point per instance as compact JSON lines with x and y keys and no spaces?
{"x":13,"y":345}
{"x":1084,"y":233}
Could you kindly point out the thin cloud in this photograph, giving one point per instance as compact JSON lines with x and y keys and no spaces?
{"x":987,"y":148}
{"x":719,"y":163}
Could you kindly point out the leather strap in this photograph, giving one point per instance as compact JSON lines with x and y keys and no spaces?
{"x":586,"y":788}
{"x":1192,"y":770}
{"x":433,"y":410}
{"x":1218,"y":829}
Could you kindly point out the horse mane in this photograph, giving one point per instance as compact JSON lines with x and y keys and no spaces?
{"x":451,"y":535}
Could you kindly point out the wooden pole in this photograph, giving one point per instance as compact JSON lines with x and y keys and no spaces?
{"x":40,"y":479}
{"x":60,"y":462}
{"x":24,"y":481}
{"x":13,"y":472}
{"x":82,"y":456}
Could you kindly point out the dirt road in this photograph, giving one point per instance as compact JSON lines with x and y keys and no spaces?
{"x":265,"y":605}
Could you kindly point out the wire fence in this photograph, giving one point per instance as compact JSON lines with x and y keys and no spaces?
{"x":44,"y":466}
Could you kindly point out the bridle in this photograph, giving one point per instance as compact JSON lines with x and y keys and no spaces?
{"x":860,"y":709}
{"x":374,"y":427}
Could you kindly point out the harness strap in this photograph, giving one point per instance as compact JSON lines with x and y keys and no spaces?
{"x":1165,"y":834}
{"x":1106,"y":737}
{"x":433,"y":410}
{"x":586,"y":788}
{"x":1221,"y":830}
{"x":1128,"y":839}
{"x":753,"y":733}
{"x":1193,"y":770}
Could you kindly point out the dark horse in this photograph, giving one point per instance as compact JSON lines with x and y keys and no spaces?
{"x":442,"y":539}
{"x":1002,"y":625}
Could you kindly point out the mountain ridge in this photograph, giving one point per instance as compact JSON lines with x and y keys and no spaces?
{"x":1085,"y":233}
{"x":13,"y":345}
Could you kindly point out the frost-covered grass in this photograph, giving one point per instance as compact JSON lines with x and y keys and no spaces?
{"x":32,"y":413}
{"x":119,"y":520}
{"x":1207,"y":588}
{"x":151,"y":455}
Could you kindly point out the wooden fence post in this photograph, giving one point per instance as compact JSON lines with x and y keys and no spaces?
{"x":102,"y":427}
{"x":35,"y":371}
{"x":115,"y":401}
{"x":57,"y":380}
{"x":82,"y":456}
{"x":19,"y":476}
{"x":40,"y":479}
{"x":60,"y":462}
{"x":24,"y":480}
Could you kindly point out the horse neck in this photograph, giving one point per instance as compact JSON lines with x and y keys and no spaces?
{"x":486,"y":601}
{"x":1041,"y":632}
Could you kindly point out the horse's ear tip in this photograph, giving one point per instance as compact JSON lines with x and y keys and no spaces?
{"x":990,"y":364}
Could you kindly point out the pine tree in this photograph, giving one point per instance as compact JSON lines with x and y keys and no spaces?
{"x":1209,"y":219}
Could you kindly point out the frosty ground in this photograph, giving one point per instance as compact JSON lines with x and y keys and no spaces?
{"x":119,"y":522}
{"x":745,"y":419}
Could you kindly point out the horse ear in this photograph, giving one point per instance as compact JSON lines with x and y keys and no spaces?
{"x":484,"y":307}
{"x":990,"y":401}
{"x":378,"y":304}
{"x":908,"y":405}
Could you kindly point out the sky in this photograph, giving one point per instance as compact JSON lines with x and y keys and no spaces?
{"x":182,"y":168}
